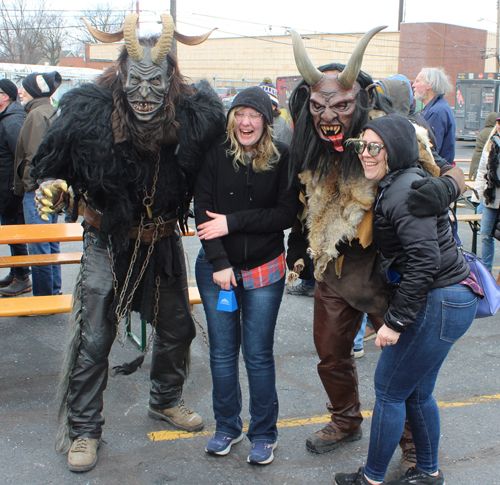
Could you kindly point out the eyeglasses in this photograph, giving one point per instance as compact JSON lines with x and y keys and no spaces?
{"x":373,"y":147}
{"x":252,"y":116}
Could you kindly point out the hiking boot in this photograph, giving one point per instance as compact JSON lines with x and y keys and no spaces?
{"x":17,"y":287}
{"x":357,"y":478}
{"x":408,"y":458}
{"x":328,"y":438}
{"x":417,"y":477}
{"x":262,"y":453}
{"x":221,"y":444}
{"x":179,"y":417}
{"x":358,"y":353}
{"x":300,"y":290}
{"x":6,"y":281}
{"x":369,"y":334}
{"x":82,"y":455}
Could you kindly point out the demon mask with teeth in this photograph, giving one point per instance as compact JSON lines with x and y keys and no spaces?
{"x":328,"y":107}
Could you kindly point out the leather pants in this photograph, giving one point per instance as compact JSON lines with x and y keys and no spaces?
{"x":175,"y":331}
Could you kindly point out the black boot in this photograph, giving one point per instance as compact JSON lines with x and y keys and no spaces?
{"x":17,"y":287}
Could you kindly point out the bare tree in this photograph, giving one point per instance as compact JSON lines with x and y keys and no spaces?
{"x":102,"y":16}
{"x":24,"y":25}
{"x":54,"y":39}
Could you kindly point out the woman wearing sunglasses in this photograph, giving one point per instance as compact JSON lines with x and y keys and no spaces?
{"x":433,"y":304}
{"x":242,"y":205}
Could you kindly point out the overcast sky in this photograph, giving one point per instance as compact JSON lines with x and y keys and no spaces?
{"x":263,"y":17}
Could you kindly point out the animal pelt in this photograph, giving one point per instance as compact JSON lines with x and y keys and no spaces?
{"x":335,"y":210}
{"x":492,"y":180}
{"x":63,"y":440}
{"x":425,"y":158}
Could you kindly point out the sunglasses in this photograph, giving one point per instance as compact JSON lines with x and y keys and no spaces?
{"x":373,"y":147}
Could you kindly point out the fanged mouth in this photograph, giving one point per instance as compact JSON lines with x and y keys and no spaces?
{"x":145,"y":107}
{"x":330,"y":130}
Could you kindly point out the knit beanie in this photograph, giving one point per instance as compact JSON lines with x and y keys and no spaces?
{"x":42,"y":84}
{"x":257,"y":99}
{"x":399,"y":138}
{"x":268,"y":86}
{"x":9,"y":88}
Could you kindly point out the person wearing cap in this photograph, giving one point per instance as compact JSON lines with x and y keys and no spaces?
{"x":35,"y":93}
{"x":487,"y":188}
{"x":12,"y":117}
{"x":243,"y":203}
{"x":282,"y":131}
{"x":433,"y":303}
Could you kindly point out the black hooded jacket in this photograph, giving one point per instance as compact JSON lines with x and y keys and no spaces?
{"x":421,"y":251}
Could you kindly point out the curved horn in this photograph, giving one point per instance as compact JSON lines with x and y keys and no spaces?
{"x":160,"y":50}
{"x":306,"y":68}
{"x":348,"y":76}
{"x":184,"y":39}
{"x":134,"y":49}
{"x":105,"y":37}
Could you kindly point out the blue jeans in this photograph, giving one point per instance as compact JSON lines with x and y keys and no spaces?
{"x":46,"y":279}
{"x":17,"y":249}
{"x":358,"y":341}
{"x":406,"y":375}
{"x":487,"y":242}
{"x":251,"y":327}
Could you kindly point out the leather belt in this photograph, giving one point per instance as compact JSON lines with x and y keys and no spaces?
{"x":165,"y":229}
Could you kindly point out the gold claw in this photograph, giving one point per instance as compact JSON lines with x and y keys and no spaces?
{"x":46,"y":202}
{"x":47,"y":192}
{"x":45,"y":217}
{"x":46,"y":209}
{"x":64,"y":186}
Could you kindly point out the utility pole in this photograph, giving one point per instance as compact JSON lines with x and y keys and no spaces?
{"x":401,"y":13}
{"x":173,"y":12}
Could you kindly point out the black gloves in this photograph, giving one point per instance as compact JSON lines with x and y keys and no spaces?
{"x":297,"y":248}
{"x":12,"y":206}
{"x":431,"y":196}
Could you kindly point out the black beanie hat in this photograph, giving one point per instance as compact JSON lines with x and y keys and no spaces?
{"x":257,"y":99}
{"x":9,"y":88}
{"x":42,"y":84}
{"x":400,"y":140}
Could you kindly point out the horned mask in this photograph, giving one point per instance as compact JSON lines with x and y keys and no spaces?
{"x":146,"y":81}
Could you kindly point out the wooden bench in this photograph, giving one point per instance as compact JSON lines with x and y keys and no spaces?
{"x":474,"y":223}
{"x":43,"y":305}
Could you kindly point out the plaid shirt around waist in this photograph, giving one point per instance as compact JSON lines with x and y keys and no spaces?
{"x":264,"y":274}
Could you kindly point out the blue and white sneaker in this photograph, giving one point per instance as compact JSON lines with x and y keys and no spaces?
{"x":262,"y":453}
{"x":221,"y":444}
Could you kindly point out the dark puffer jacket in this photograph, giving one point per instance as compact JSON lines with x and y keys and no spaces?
{"x":420,"y":252}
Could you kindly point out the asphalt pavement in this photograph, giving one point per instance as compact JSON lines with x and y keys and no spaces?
{"x":138,"y":450}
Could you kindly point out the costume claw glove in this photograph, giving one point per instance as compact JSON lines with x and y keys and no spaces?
{"x":12,"y":206}
{"x":297,"y":249}
{"x":431,"y":196}
{"x":51,"y":197}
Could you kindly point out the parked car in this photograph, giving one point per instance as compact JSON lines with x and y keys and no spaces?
{"x":225,"y":92}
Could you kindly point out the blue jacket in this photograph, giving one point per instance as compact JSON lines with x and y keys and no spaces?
{"x":440,"y":116}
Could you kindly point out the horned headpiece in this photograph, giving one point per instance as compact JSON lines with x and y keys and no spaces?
{"x":347,"y":77}
{"x":134,"y":49}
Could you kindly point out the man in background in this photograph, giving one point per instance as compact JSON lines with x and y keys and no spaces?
{"x":12,"y":116}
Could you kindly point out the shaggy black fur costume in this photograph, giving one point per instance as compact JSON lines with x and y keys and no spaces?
{"x":80,"y":148}
{"x":307,"y":151}
{"x":492,"y":181}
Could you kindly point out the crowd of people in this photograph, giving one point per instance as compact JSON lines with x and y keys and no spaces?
{"x":140,"y":143}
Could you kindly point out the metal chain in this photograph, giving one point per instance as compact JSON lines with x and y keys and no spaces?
{"x":148,"y":200}
{"x":202,"y":330}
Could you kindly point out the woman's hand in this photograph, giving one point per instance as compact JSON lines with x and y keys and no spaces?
{"x":225,"y":278}
{"x":386,"y":336}
{"x":217,"y":227}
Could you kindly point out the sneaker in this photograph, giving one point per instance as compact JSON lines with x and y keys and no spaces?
{"x":357,"y":478}
{"x":6,"y":281}
{"x":300,"y":290}
{"x":358,"y":353}
{"x":417,"y":477}
{"x":262,"y":453}
{"x":369,"y":334}
{"x":221,"y":444}
{"x":17,"y":287}
{"x":82,"y":456}
{"x":179,"y":417}
{"x":408,"y":458}
{"x":328,"y":438}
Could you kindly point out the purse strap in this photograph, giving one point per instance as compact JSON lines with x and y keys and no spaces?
{"x":454,"y":227}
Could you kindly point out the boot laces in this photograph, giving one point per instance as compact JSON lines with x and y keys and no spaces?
{"x":183,"y":409}
{"x":82,"y":445}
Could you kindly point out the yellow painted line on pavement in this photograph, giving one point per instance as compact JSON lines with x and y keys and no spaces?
{"x":321,"y":419}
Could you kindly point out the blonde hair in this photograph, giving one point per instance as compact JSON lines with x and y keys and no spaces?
{"x":266,"y":155}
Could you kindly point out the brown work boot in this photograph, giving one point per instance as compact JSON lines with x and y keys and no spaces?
{"x":408,"y":458}
{"x":328,"y":438}
{"x":179,"y":416}
{"x":82,"y":456}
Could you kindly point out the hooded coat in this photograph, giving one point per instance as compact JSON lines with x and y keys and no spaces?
{"x":417,"y":253}
{"x":481,"y":140}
